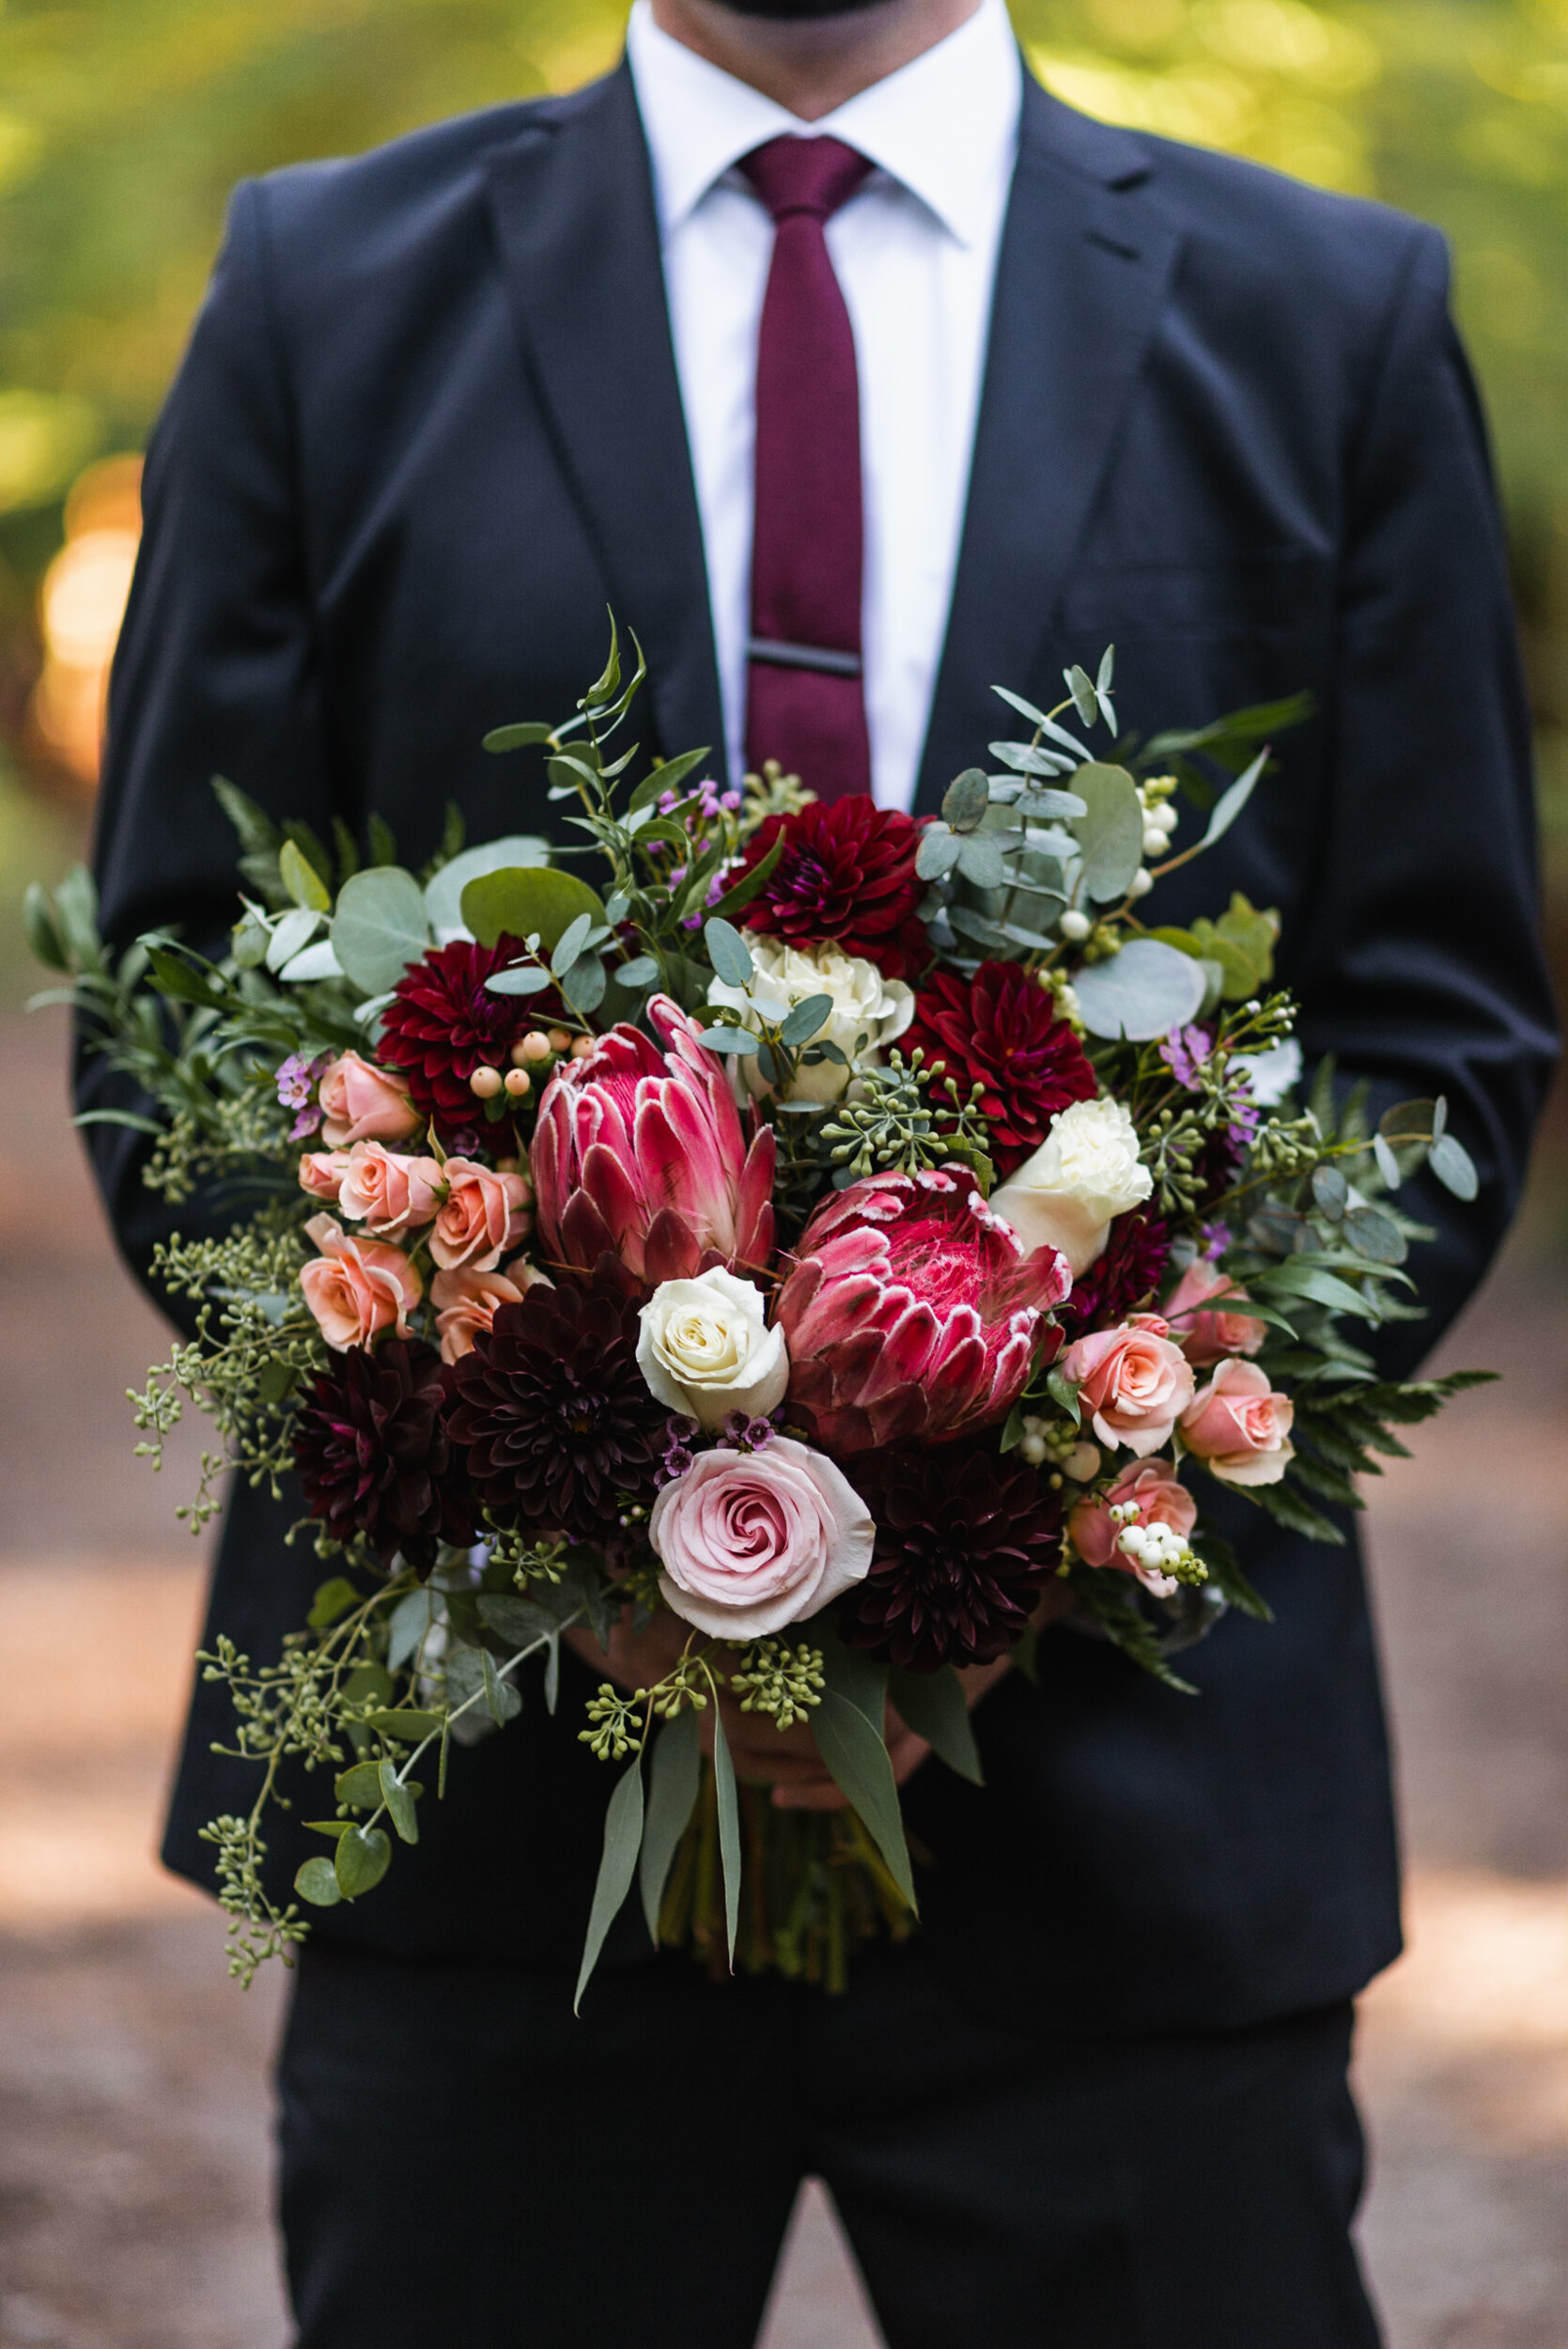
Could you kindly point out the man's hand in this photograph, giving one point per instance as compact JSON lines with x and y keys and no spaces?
{"x":787,"y":1760}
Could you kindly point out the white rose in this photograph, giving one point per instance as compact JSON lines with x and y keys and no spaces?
{"x":864,"y":1004}
{"x":706,"y":1349}
{"x":1084,"y":1173}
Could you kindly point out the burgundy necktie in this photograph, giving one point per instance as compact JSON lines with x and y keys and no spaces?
{"x":804,"y":703}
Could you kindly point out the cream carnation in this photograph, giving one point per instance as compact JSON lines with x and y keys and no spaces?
{"x":864,"y":1004}
{"x":1084,"y":1173}
{"x":751,"y":1541}
{"x":706,"y":1349}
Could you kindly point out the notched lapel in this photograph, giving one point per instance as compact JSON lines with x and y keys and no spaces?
{"x":1086,"y":258}
{"x":572,"y":204}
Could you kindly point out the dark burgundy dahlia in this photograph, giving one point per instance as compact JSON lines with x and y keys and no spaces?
{"x":443,"y":1022}
{"x":966,"y":1540}
{"x":1129,"y":1275}
{"x":373,"y":1454}
{"x":847,"y":874}
{"x":553,"y":1413}
{"x":1000,"y":1028}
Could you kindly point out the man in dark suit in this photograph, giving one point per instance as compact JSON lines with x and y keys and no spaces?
{"x":444,"y":404}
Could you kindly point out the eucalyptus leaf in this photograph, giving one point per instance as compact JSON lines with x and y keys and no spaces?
{"x":623,"y":1836}
{"x":1110,"y":834}
{"x":1453,"y":1167}
{"x":363,"y":1857}
{"x":674,"y":1777}
{"x":570,"y":944}
{"x":522,"y":978}
{"x":729,"y":1039}
{"x":847,"y":1727}
{"x":524,"y":901}
{"x":317,"y":1882}
{"x":399,"y":1802}
{"x":1330,"y":1190}
{"x":379,"y":927}
{"x":805,"y":1017}
{"x":1143,"y":992}
{"x":1230,"y":803}
{"x":729,"y":1829}
{"x":517,"y":738}
{"x":406,"y":1726}
{"x":316,"y":962}
{"x":932,"y":1705}
{"x":728,"y":952}
{"x":966,"y":800}
{"x":1388,"y":1164}
{"x":291,"y":934}
{"x":584,"y":984}
{"x":302,"y":881}
{"x":1027,"y":758}
{"x":444,"y":893}
{"x":1376,"y":1236}
{"x":937,"y":852}
{"x":1081,"y":687}
{"x":517,"y":1620}
{"x":981,"y":861}
{"x":642,"y":971}
{"x":333,"y":1600}
{"x":360,"y":1787}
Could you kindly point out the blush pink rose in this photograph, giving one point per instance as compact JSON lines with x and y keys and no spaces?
{"x":321,"y":1172}
{"x":389,"y":1191}
{"x":356,"y":1289}
{"x":1163,"y":1499}
{"x":466,"y":1303}
{"x":364,"y":1104}
{"x":1206,"y":1338}
{"x":1132,"y":1382}
{"x":482,"y":1215}
{"x":751,"y":1541}
{"x":1239,"y":1427}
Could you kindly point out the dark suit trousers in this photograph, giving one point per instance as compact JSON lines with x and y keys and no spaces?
{"x":464,"y":2162}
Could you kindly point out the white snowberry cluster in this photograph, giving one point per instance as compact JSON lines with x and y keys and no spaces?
{"x":1058,"y":1441}
{"x":1157,"y":1551}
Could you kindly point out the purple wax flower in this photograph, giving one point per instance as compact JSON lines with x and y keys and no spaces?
{"x":1185,"y":1051}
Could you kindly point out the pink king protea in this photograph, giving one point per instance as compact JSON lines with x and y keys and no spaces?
{"x":912,"y":1313}
{"x":642,"y":1152}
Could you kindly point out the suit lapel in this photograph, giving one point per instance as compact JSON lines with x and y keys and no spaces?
{"x":572,"y":204}
{"x":1081,"y":275}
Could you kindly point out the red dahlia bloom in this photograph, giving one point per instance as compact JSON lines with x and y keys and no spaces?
{"x":965,"y":1544}
{"x":1000,"y":1028}
{"x":912,"y":1314}
{"x":847,"y":873}
{"x":443,"y":1023}
{"x":372,"y":1452}
{"x":1129,"y":1275}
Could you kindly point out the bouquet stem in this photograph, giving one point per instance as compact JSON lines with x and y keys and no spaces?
{"x":816,"y":1891}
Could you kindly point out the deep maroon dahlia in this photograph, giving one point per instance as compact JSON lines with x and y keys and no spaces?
{"x":1128,"y":1276}
{"x":373,"y":1454}
{"x":552,"y":1412}
{"x":847,"y":873}
{"x":966,"y":1540}
{"x":443,"y":1023}
{"x":1000,"y":1028}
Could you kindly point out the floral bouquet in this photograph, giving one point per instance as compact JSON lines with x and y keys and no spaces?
{"x":812,"y":1251}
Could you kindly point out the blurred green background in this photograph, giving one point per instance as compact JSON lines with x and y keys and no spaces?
{"x":123,"y":123}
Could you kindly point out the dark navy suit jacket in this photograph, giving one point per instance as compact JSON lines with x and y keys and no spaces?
{"x":428,"y":427}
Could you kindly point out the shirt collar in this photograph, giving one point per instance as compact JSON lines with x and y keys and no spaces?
{"x":944,"y":126}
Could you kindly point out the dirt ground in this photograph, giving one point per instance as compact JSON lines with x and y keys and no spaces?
{"x":134,"y":2100}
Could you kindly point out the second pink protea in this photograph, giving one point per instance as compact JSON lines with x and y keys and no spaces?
{"x":643,"y":1152}
{"x":912,"y":1313}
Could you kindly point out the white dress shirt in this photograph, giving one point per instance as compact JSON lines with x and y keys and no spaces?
{"x":915,"y":252}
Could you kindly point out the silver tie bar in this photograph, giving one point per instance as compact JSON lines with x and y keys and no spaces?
{"x":802,"y":656}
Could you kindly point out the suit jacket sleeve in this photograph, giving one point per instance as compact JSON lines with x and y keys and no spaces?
{"x":1422,"y":968}
{"x":215,"y":671}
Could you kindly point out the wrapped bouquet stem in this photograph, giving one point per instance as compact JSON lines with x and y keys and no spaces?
{"x":792,"y":1248}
